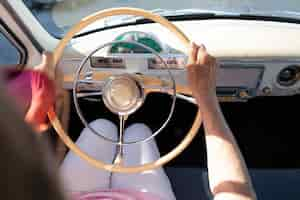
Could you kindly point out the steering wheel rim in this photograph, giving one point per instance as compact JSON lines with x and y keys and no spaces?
{"x":57,"y":54}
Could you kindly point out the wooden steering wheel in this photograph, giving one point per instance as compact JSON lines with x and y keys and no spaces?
{"x":118,"y":167}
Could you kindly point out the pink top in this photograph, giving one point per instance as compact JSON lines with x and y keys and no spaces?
{"x":29,"y":87}
{"x":18,"y":85}
{"x":114,"y":194}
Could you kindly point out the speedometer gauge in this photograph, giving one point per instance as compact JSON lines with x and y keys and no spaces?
{"x":144,"y":38}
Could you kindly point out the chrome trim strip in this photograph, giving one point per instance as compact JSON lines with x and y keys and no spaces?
{"x":5,"y":30}
{"x":19,"y":21}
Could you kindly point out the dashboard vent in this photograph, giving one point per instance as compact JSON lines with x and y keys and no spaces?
{"x":173,"y":62}
{"x":107,"y":62}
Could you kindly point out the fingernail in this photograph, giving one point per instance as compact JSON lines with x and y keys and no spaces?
{"x":192,"y":44}
{"x":202,"y":46}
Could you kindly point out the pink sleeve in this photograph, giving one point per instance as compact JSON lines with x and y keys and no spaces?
{"x":18,"y":86}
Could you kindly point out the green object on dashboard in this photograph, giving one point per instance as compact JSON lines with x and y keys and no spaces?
{"x":140,"y":37}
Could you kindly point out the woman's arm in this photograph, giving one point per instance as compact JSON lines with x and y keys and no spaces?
{"x":228,"y":174}
{"x":43,"y":98}
{"x":43,"y":94}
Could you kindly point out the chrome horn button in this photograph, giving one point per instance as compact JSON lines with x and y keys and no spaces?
{"x":123,"y":94}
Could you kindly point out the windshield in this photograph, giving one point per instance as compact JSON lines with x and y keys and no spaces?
{"x":57,"y":16}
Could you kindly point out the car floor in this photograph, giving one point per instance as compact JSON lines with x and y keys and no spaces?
{"x":269,"y":184}
{"x":266,"y":130}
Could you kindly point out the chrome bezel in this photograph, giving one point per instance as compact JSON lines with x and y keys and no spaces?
{"x":139,"y":99}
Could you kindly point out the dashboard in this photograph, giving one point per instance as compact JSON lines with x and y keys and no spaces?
{"x":256,"y":58}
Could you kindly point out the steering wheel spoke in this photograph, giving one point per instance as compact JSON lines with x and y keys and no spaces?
{"x":88,"y":94}
{"x":95,"y":82}
{"x":152,"y":84}
{"x":89,"y":85}
{"x":158,"y":88}
{"x":119,"y":156}
{"x":89,"y":88}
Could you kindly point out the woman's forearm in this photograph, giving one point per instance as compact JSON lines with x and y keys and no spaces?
{"x":227,"y":171}
{"x":36,"y":116}
{"x":228,"y":174}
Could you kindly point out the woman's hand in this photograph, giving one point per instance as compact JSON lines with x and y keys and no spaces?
{"x":43,"y":98}
{"x":201,"y":71}
{"x":43,"y":95}
{"x":47,"y":65}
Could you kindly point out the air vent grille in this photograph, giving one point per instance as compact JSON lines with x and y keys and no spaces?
{"x":107,"y":62}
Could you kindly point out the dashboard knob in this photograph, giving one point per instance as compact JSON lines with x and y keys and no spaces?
{"x":289,"y":75}
{"x":243,"y":94}
{"x":267,"y":90}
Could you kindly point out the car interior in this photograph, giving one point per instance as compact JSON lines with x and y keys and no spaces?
{"x":143,"y":46}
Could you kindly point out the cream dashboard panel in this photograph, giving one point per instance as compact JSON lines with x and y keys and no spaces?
{"x":223,"y":38}
{"x":265,"y":48}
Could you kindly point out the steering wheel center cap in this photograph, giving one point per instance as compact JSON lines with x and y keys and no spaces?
{"x":123,"y":94}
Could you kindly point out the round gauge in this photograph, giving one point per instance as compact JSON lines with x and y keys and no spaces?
{"x":146,"y":39}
